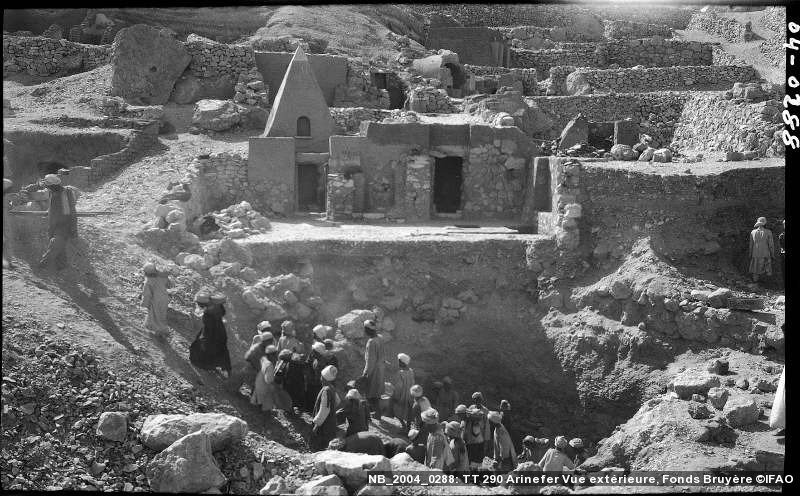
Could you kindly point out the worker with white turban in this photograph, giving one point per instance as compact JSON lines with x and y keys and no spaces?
{"x":62,"y":219}
{"x":401,"y":399}
{"x":355,"y":411}
{"x":504,"y":454}
{"x":556,"y":459}
{"x":762,"y":250}
{"x":374,"y":367}
{"x":315,"y":362}
{"x":324,"y":412}
{"x":419,"y":405}
{"x":437,"y":452}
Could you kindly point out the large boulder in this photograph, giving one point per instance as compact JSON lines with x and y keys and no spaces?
{"x":575,"y":132}
{"x":330,"y":485}
{"x":692,"y":382}
{"x":352,"y":323}
{"x":718,"y":397}
{"x":350,"y":467}
{"x":623,"y":152}
{"x":740,"y":411}
{"x":112,"y":426}
{"x":160,"y":431}
{"x":145,"y":63}
{"x":215,"y":115}
{"x":186,"y":466}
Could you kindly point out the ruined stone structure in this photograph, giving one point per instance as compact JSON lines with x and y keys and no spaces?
{"x":475,"y":45}
{"x":414,"y":171}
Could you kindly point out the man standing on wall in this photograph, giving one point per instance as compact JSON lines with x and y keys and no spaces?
{"x":62,"y":219}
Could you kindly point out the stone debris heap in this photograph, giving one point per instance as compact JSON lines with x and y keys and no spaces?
{"x":236,"y":221}
{"x":251,"y":89}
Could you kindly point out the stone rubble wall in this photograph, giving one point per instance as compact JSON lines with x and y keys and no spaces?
{"x":42,"y":56}
{"x":359,"y":90}
{"x":557,"y":83}
{"x":211,"y":59}
{"x":775,"y":19}
{"x":528,"y":77}
{"x":492,"y":185}
{"x":348,"y":119}
{"x":525,"y":36}
{"x":429,"y":100}
{"x":623,"y":53}
{"x":627,"y":30}
{"x":722,"y":57}
{"x":726,"y":27}
{"x":712,"y":122}
{"x":656,"y":113}
{"x":680,"y":78}
{"x":554,"y":15}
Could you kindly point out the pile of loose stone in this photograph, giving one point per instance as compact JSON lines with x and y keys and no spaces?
{"x":428,"y":100}
{"x":236,"y":221}
{"x":251,"y":89}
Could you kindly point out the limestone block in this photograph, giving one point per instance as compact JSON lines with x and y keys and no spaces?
{"x":159,"y":431}
{"x":690,"y":382}
{"x":185,"y":466}
{"x":113,"y":426}
{"x":740,"y":411}
{"x":350,"y":467}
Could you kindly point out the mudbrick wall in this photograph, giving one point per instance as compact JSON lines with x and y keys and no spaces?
{"x":627,"y":30}
{"x":41,"y":56}
{"x":647,"y":52}
{"x":726,"y":27}
{"x":710,"y":122}
{"x":656,"y":112}
{"x":681,"y":78}
{"x":210,"y":58}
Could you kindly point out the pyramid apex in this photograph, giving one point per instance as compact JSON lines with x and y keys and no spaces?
{"x":299,"y":54}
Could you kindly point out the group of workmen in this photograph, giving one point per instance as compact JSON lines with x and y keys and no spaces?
{"x":442,"y":433}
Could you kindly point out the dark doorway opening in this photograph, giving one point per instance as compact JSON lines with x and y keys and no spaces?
{"x":307,"y":188}
{"x":447,"y":182}
{"x":379,"y":80}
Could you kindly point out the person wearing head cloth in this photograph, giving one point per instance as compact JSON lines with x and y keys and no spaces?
{"x":315,"y":362}
{"x":264,"y":391}
{"x":528,"y":445}
{"x":419,"y":405}
{"x":62,"y":220}
{"x":437,"y":451}
{"x":355,"y":411}
{"x":8,"y":236}
{"x":417,"y":445}
{"x":457,"y":446}
{"x":252,"y":356}
{"x":504,"y":454}
{"x":209,"y":350}
{"x":477,"y":434}
{"x":320,"y":332}
{"x":324,"y":412}
{"x":288,"y":339}
{"x":155,"y":299}
{"x":505,"y":409}
{"x":401,"y":399}
{"x":762,"y":250}
{"x":448,"y":398}
{"x":555,"y":459}
{"x":374,"y":367}
{"x":330,"y":353}
{"x":579,"y":450}
{"x":460,"y":416}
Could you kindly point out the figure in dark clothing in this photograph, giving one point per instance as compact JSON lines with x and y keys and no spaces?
{"x":369,"y":443}
{"x":294,"y":381}
{"x":62,"y":219}
{"x":418,"y":445}
{"x":210,"y":348}
{"x":394,"y":446}
{"x":355,"y":411}
{"x":324,"y":413}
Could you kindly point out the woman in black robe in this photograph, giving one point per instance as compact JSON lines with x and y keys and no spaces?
{"x":210,"y":348}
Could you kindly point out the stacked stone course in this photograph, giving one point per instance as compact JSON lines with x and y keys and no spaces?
{"x":627,"y":30}
{"x":623,"y":53}
{"x":359,"y":91}
{"x":528,"y":77}
{"x":726,"y":27}
{"x":210,"y":58}
{"x":681,"y":78}
{"x":41,"y":56}
{"x":429,"y":100}
{"x":497,"y":182}
{"x":348,"y":119}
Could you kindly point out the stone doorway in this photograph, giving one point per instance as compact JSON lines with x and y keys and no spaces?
{"x":448,"y":177}
{"x":308,"y":188}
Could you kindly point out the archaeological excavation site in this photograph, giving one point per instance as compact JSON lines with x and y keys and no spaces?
{"x":274,"y":249}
